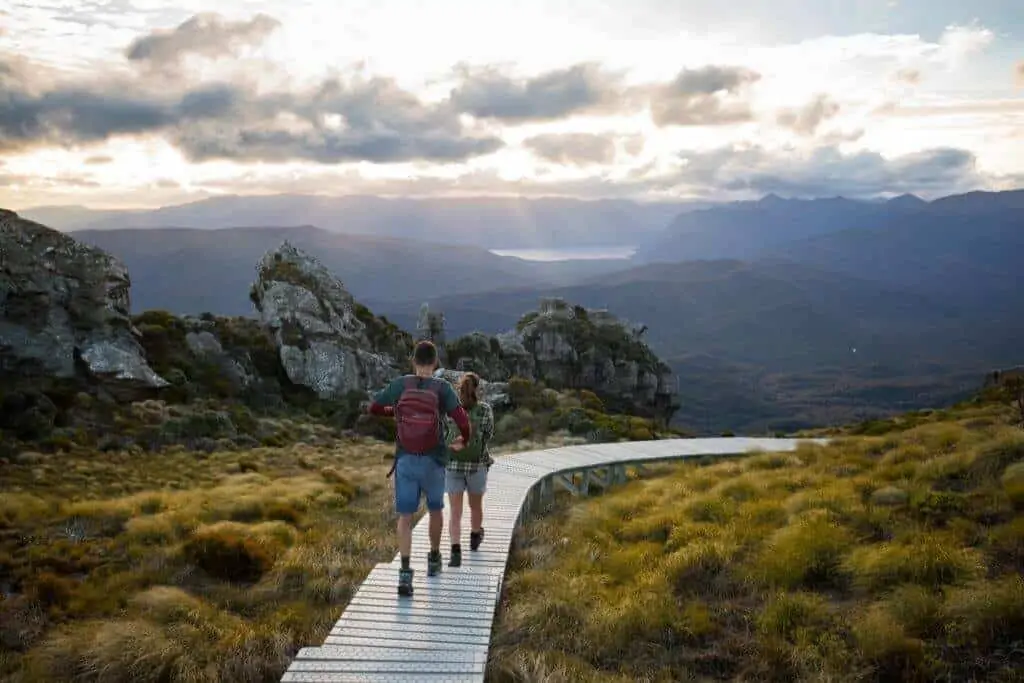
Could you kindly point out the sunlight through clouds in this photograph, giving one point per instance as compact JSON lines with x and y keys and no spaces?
{"x":559,"y":97}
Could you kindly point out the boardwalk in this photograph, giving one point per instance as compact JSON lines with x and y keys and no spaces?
{"x":442,"y":633}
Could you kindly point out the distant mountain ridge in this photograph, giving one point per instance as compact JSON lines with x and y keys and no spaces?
{"x":191,"y":271}
{"x":771,"y":225}
{"x":487,"y":222}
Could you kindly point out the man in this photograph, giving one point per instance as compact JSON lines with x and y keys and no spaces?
{"x":418,"y":402}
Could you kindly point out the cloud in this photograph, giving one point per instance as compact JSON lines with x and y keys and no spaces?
{"x":372,"y":120}
{"x":578,"y":149}
{"x":908,"y":75}
{"x":488,"y":93}
{"x":99,"y":160}
{"x":1018,"y":73}
{"x":806,"y":120}
{"x":826,"y":171}
{"x":207,"y":35}
{"x":709,"y":96}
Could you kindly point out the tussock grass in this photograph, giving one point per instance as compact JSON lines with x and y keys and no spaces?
{"x":184,"y":566}
{"x":894,"y":556}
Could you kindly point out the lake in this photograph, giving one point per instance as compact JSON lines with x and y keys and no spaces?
{"x":568,"y":253}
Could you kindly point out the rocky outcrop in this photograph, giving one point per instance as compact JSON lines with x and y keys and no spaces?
{"x":430,"y":326}
{"x":65,"y":310}
{"x":568,"y":346}
{"x":495,"y":393}
{"x":321,"y":340}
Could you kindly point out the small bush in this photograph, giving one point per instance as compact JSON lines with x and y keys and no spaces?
{"x":805,"y":553}
{"x":231,"y":551}
{"x":930,"y":560}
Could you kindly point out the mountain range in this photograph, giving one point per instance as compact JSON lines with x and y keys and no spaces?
{"x":487,"y":222}
{"x":776,"y":313}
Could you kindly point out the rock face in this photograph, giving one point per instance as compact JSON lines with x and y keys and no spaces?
{"x":322,"y":342}
{"x":495,"y":393}
{"x":65,"y":306}
{"x":567,"y":346}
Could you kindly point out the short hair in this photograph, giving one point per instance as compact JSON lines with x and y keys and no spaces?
{"x":425,"y":354}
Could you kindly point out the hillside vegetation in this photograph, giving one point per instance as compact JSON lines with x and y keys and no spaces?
{"x":891,"y":557}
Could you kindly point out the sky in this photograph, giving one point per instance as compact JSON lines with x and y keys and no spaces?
{"x":140,"y":103}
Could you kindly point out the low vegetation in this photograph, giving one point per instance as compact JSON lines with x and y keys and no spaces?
{"x":891,"y":557}
{"x":205,"y":540}
{"x":183,"y":566}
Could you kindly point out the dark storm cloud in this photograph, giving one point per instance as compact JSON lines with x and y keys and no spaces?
{"x":828,"y":172}
{"x":488,"y":93}
{"x":376,"y":121}
{"x":708,"y":96}
{"x":207,"y":34}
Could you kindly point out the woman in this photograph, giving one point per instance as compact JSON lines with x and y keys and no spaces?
{"x":467,"y":468}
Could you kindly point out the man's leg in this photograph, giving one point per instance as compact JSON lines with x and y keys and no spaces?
{"x":432,"y":482}
{"x":407,"y":500}
{"x":455,"y":483}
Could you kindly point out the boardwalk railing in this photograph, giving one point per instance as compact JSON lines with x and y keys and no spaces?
{"x":442,"y":632}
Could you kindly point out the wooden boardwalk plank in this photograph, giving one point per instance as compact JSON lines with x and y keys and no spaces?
{"x":442,"y":633}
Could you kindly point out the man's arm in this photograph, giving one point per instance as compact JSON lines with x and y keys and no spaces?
{"x":384,"y":402}
{"x":453,"y":408}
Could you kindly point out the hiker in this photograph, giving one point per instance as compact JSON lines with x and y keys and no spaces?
{"x":467,"y":469}
{"x":418,"y":402}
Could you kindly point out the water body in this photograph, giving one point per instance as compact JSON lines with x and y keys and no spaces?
{"x":569,"y":253}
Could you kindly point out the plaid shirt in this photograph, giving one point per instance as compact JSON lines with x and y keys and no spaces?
{"x":485,"y":423}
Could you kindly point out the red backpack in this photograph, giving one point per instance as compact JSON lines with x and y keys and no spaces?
{"x":418,"y":416}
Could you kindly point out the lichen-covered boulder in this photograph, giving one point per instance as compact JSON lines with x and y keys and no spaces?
{"x":322,"y":342}
{"x":64,"y":306}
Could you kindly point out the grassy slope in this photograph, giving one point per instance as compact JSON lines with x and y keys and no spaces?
{"x":888,"y":557}
{"x":183,"y":567}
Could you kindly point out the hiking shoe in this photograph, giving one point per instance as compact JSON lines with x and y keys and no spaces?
{"x":405,"y":583}
{"x":475,"y":538}
{"x":434,"y":563}
{"x":456,"y":559}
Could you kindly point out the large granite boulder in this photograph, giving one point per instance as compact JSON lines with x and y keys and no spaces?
{"x":322,"y":341}
{"x":65,"y":307}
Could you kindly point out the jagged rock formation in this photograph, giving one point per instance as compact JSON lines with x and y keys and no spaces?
{"x":567,"y":346}
{"x":323,"y":343}
{"x":65,"y":310}
{"x":430,"y":325}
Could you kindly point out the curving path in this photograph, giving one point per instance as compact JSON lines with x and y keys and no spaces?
{"x":443,"y":632}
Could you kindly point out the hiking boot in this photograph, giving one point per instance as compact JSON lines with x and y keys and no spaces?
{"x":405,"y":583}
{"x":456,"y":558}
{"x":475,"y":538}
{"x":434,"y":563}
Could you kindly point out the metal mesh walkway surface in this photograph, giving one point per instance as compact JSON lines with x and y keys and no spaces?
{"x":442,"y":632}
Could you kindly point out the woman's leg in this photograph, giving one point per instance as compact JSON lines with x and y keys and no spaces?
{"x":455,"y":522}
{"x":476,"y":511}
{"x":477,"y":486}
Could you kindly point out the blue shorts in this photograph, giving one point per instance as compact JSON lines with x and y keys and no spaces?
{"x":415,"y":475}
{"x":474,"y":482}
